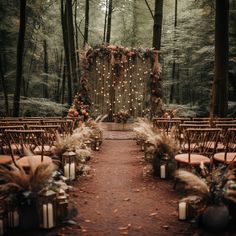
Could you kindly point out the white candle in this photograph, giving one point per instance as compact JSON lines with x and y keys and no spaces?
{"x":45,"y":218}
{"x":72,"y":171}
{"x":66,"y":171}
{"x":182,"y":211}
{"x":50,"y":216}
{"x":16,"y":218}
{"x":163,"y":171}
{"x":1,"y":227}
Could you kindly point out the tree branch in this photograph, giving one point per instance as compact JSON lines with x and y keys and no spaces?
{"x":149,"y":8}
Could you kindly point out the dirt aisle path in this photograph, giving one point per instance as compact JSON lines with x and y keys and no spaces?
{"x":116,"y":199}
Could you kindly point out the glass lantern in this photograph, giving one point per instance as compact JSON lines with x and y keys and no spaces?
{"x":12,"y":214}
{"x":165,"y":167}
{"x":62,"y":206}
{"x":148,"y":150}
{"x":88,"y":143}
{"x":69,"y":166}
{"x":186,"y":211}
{"x":142,"y":144}
{"x":2,"y":218}
{"x":96,"y":143}
{"x":47,"y":209}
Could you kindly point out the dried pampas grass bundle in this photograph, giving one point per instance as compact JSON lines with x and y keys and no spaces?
{"x":17,"y":180}
{"x":144,"y":128}
{"x":193,"y":181}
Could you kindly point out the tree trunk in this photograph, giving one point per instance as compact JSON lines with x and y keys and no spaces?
{"x":19,"y":67}
{"x":172,"y":89}
{"x":63,"y":84}
{"x":135,"y":25}
{"x":219,"y":100}
{"x":67,"y":53}
{"x":4,"y":86}
{"x":108,"y":39}
{"x":86,"y":25}
{"x":105,"y":23}
{"x":45,"y":66}
{"x":157,"y":26}
{"x":71,"y":43}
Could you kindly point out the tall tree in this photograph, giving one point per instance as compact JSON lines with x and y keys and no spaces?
{"x":110,"y":9}
{"x":45,"y":66}
{"x":105,"y":22}
{"x":86,"y":25}
{"x":174,"y":54}
{"x":67,"y":68}
{"x":157,"y":26}
{"x":135,"y":25}
{"x":71,"y":43}
{"x":219,"y":102}
{"x":4,"y":86}
{"x":20,"y":52}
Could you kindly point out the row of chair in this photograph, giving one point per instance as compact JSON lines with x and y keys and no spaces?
{"x":21,"y":146}
{"x":204,"y":145}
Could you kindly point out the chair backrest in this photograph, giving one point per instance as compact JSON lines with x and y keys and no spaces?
{"x":50,"y":132}
{"x":3,"y":139}
{"x":167,"y":125}
{"x":231,"y":140}
{"x":202,"y":140}
{"x":25,"y":139}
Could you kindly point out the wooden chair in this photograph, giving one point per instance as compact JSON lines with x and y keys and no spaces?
{"x":198,"y":146}
{"x":49,"y":138}
{"x":228,"y":156}
{"x":26,"y":141}
{"x":5,"y":154}
{"x":167,"y":126}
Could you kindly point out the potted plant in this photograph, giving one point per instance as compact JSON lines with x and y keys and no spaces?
{"x":211,"y":194}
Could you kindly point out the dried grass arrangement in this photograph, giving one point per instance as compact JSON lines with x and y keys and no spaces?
{"x":20,"y":184}
{"x":215,"y":187}
{"x":161,"y":144}
{"x":211,"y":194}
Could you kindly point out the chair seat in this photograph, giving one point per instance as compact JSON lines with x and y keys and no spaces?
{"x":195,"y":159}
{"x":7,"y":159}
{"x":220,"y":156}
{"x":35,"y":159}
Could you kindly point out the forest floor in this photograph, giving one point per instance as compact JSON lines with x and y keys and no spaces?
{"x":117,"y":198}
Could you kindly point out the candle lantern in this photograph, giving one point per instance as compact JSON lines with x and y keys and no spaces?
{"x":47,"y":209}
{"x":148,"y":150}
{"x":2,"y":218}
{"x":96,"y":143}
{"x":142,"y":144}
{"x":165,"y":167}
{"x":69,"y":166}
{"x":12,"y":214}
{"x":88,"y":143}
{"x":186,"y":211}
{"x":62,"y":206}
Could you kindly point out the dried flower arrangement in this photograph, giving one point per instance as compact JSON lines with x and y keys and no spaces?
{"x":162,"y":147}
{"x":18,"y":183}
{"x":121,"y":116}
{"x":211,"y":194}
{"x":79,"y":108}
{"x":87,"y":131}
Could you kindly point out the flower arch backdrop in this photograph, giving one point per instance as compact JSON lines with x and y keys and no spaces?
{"x":115,"y":78}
